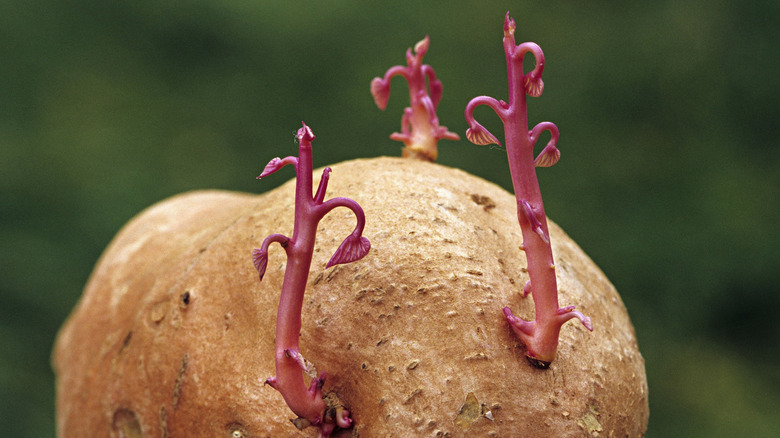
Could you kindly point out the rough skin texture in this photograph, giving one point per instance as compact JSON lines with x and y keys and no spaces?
{"x":174,"y":335}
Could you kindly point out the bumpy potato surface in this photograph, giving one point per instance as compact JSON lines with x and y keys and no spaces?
{"x":174,"y":334}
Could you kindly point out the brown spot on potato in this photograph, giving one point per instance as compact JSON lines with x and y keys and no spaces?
{"x":411,"y":395}
{"x":179,"y":380}
{"x":125,"y":342}
{"x":163,"y":422}
{"x":186,"y":297}
{"x":590,"y":423}
{"x":236,"y":430}
{"x":476,"y":356}
{"x":333,"y":273}
{"x":300,"y":423}
{"x":447,"y":207}
{"x":226,"y":321}
{"x":158,"y":311}
{"x":125,"y":424}
{"x":486,"y":203}
{"x":469,"y":412}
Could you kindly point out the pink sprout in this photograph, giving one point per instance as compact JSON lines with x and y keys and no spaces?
{"x":305,"y":402}
{"x":420,"y":129}
{"x":541,"y":335}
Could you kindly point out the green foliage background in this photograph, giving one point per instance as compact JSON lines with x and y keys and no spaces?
{"x":668,"y":112}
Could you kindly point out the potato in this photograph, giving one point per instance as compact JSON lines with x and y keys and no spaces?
{"x":174,"y":334}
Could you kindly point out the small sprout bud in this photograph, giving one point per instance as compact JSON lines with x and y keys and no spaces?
{"x":509,"y":26}
{"x":381,"y":91}
{"x":422,"y":47}
{"x":420,"y":129}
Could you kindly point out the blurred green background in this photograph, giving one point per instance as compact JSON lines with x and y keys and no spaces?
{"x":668,"y":112}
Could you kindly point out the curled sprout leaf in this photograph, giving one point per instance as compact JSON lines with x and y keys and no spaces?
{"x":260,"y":260}
{"x":380,"y":89}
{"x":353,"y":248}
{"x":477,"y":134}
{"x":276,"y":164}
{"x":548,"y":157}
{"x":550,"y":154}
{"x":533,"y":86}
{"x":260,"y":255}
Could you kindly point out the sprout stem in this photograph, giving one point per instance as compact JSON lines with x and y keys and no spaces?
{"x":541,"y":335}
{"x":305,"y":402}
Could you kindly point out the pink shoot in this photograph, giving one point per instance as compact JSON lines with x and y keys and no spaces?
{"x":306,"y":402}
{"x":420,"y":129}
{"x":541,"y":335}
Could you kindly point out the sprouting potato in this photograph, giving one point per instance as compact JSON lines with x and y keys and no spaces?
{"x":174,"y":334}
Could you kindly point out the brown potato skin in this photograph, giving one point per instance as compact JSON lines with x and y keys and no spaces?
{"x":174,"y":334}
